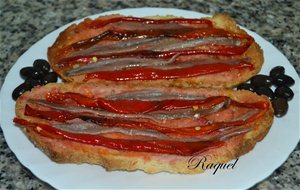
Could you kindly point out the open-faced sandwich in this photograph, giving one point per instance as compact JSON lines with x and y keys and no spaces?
{"x":169,"y":51}
{"x":126,"y":127}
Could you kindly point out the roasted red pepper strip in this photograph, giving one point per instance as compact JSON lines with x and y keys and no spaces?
{"x":101,"y":23}
{"x":156,"y":146}
{"x":61,"y":116}
{"x":78,"y":98}
{"x":258,"y":105}
{"x":116,"y":105}
{"x":156,"y":74}
{"x":134,"y":106}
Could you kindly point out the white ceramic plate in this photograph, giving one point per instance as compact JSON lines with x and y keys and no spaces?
{"x":250,"y":169}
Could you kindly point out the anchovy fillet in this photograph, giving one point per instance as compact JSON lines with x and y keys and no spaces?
{"x":119,"y":64}
{"x":94,"y":129}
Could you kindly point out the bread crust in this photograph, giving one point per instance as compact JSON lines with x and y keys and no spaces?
{"x":219,"y":80}
{"x":65,"y":151}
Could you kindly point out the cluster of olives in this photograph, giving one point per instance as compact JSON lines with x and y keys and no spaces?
{"x":39,"y":74}
{"x":261,"y":84}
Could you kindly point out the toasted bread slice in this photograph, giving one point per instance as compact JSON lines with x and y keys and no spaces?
{"x":67,"y":150}
{"x":63,"y":49}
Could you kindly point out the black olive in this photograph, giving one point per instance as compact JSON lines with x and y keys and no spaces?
{"x":281,"y":80}
{"x":32,"y":83}
{"x":42,"y":64}
{"x":264,"y":90}
{"x":26,"y":72}
{"x":276,"y":71}
{"x":50,"y":77}
{"x":284,"y":92}
{"x":280,"y":106}
{"x":38,"y":74}
{"x":261,"y":80}
{"x":19,"y":90}
{"x":31,"y":72}
{"x":246,"y":86}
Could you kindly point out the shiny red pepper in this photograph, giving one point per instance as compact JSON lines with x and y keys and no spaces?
{"x":61,"y":116}
{"x":101,"y":22}
{"x":258,"y":105}
{"x":133,"y":106}
{"x":156,"y":146}
{"x":156,"y":74}
{"x":139,"y":106}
